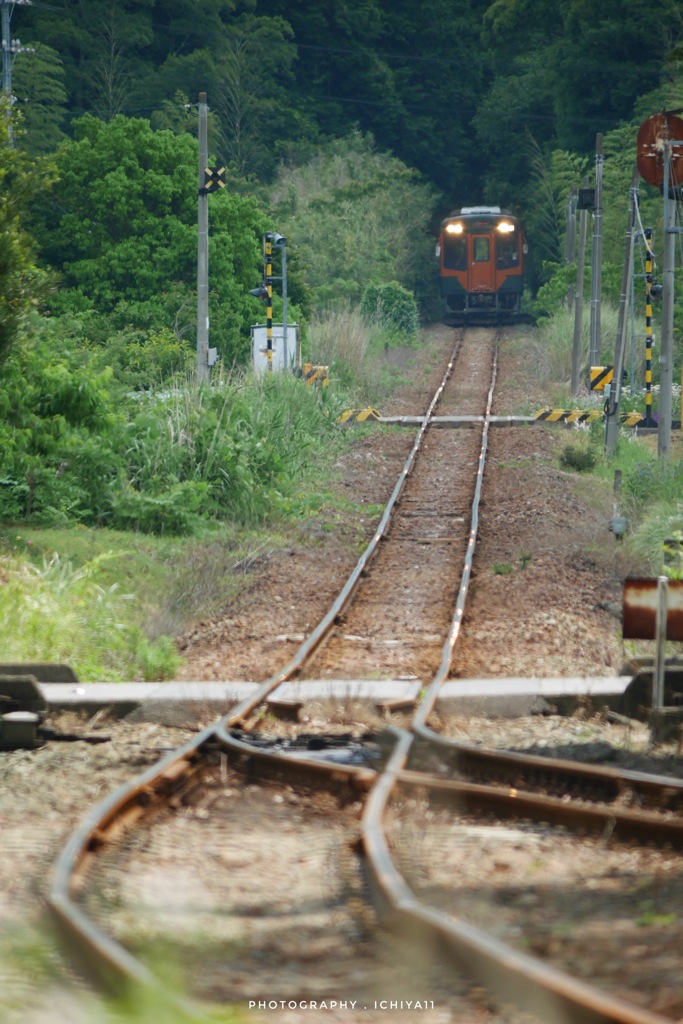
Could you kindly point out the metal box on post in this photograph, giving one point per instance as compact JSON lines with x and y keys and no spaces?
{"x":281,"y":361}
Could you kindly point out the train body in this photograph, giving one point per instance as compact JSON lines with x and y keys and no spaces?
{"x":481,"y":253}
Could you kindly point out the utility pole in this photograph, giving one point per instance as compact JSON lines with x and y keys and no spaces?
{"x":6,"y":52}
{"x":10,"y":47}
{"x":614,"y":399}
{"x":596,"y":282}
{"x":572,"y":203}
{"x":666,"y":350}
{"x":203,"y":250}
{"x":578,"y":303}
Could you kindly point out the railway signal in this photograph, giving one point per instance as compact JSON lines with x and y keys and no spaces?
{"x":264,"y":290}
{"x":214,"y":179}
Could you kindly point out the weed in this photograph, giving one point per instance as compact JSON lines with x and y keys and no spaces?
{"x":58,"y":612}
{"x":579,"y":457}
{"x":649,"y":917}
{"x":502,"y":568}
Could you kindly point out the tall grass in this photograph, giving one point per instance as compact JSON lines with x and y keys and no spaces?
{"x":340,"y":339}
{"x":356,"y":349}
{"x":56,"y":612}
{"x":652,"y":492}
{"x":553,"y":340}
{"x":230,"y":452}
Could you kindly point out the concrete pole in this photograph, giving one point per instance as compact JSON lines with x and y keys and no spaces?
{"x":203,"y":251}
{"x":612,"y":411}
{"x":596,"y":282}
{"x":571,"y":241}
{"x":578,"y":304}
{"x":666,"y":350}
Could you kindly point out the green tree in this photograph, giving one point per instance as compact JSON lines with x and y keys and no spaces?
{"x":437,"y":70}
{"x":121,"y":228}
{"x":359,"y":217}
{"x":21,"y":285}
{"x":38,"y":82}
{"x":254,"y":70}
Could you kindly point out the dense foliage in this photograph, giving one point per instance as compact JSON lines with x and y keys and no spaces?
{"x":351,"y":128}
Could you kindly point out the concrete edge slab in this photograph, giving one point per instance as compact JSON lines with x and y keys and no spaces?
{"x":455,"y":694}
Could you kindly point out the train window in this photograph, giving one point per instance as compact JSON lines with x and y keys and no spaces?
{"x":481,"y":249}
{"x":507,"y":251}
{"x":454,"y":252}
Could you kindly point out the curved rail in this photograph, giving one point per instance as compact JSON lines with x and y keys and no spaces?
{"x":102,"y":954}
{"x":550,"y":993}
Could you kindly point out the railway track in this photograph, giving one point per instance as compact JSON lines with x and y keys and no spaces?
{"x":399,"y":614}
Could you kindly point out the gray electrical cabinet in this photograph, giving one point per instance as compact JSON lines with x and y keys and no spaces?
{"x":284,"y":357}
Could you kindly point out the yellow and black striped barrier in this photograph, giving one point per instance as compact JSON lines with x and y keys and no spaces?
{"x":600,"y":377}
{"x":568,"y":415}
{"x":318,"y":375}
{"x":627,"y":419}
{"x":359,"y":415}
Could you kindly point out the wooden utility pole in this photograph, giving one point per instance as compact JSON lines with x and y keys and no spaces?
{"x":596,"y":281}
{"x":203,"y":249}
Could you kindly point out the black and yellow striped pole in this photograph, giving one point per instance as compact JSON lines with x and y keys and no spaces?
{"x":268,"y":260}
{"x":648,"y":421}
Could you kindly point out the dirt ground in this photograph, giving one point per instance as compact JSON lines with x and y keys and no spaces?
{"x":546,"y":593}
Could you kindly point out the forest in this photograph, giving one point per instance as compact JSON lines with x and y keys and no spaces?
{"x":350,"y":126}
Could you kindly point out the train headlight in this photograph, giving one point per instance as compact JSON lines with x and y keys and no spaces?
{"x":454,"y":229}
{"x":505,"y":227}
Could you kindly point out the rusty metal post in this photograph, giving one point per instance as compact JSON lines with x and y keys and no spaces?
{"x":660,"y":652}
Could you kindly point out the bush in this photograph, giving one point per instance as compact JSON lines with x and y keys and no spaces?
{"x":394,"y":307}
{"x":579,"y":457}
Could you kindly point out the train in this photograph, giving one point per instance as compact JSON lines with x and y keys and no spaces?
{"x":481,"y":252}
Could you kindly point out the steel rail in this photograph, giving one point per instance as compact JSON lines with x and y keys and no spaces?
{"x":104,"y":955}
{"x":545,"y":991}
{"x":551,"y":994}
{"x":324,"y":627}
{"x":111,"y":963}
{"x":425,"y":708}
{"x":516,"y":768}
{"x":116,"y":968}
{"x":624,"y":823}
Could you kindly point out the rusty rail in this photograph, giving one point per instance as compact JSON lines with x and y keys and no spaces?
{"x":551,"y":994}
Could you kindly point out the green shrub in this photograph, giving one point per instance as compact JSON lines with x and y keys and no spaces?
{"x":578,"y":457}
{"x":146,"y":359}
{"x":394,"y":307}
{"x":176,"y":511}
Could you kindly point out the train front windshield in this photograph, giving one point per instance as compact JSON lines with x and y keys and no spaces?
{"x":454,"y":251}
{"x":507,"y":251}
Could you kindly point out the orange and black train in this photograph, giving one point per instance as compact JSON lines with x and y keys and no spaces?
{"x":481,"y":252}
